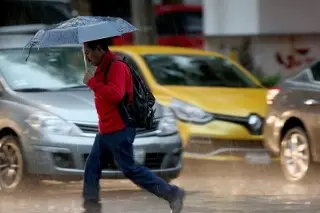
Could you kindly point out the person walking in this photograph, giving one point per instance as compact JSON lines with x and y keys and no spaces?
{"x":116,"y":134}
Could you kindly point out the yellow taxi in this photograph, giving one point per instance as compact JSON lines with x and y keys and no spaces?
{"x":219,"y":105}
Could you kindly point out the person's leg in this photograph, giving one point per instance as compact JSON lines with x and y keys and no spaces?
{"x":92,"y":174}
{"x":122,"y":150}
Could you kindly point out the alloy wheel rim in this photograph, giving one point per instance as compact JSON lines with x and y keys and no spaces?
{"x":296,"y":156}
{"x":10,"y":166}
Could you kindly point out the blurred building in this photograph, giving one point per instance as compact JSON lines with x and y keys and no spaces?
{"x":279,"y":36}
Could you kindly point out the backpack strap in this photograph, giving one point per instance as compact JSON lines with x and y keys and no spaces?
{"x":122,"y":107}
{"x":109,"y":65}
{"x":107,"y":70}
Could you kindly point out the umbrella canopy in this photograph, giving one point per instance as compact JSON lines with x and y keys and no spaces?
{"x":79,"y":30}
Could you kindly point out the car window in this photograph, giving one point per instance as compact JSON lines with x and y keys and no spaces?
{"x":167,"y":25}
{"x":307,"y":74}
{"x":129,"y":60}
{"x":132,"y":64}
{"x":48,"y":68}
{"x":34,"y":12}
{"x":179,"y":23}
{"x":193,"y":22}
{"x":315,"y":70}
{"x":195,"y":70}
{"x":302,"y":77}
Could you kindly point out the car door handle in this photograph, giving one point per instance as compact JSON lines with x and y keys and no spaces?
{"x":311,"y":102}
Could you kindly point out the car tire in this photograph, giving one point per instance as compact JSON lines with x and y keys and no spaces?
{"x":295,"y":154}
{"x":11,"y":165}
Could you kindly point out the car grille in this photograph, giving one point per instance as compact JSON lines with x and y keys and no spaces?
{"x":93,"y":128}
{"x":202,"y":145}
{"x":152,"y":161}
{"x":88,"y":128}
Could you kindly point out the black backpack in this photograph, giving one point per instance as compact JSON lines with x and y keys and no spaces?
{"x":140,"y":112}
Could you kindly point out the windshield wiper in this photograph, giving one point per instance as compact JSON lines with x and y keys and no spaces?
{"x":33,"y":89}
{"x":74,"y":87}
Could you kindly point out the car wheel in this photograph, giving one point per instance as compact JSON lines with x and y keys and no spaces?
{"x":11,"y":164}
{"x":295,"y":156}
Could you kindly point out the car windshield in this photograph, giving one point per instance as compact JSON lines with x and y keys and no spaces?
{"x":193,"y":22}
{"x":196,"y":70}
{"x":45,"y":69}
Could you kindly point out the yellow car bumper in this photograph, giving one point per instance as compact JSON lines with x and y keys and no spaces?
{"x":219,"y":140}
{"x":216,"y":129}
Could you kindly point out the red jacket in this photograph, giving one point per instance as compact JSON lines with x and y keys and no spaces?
{"x":108,"y":96}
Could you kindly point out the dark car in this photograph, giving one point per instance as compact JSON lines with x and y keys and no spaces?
{"x":292,"y":125}
{"x":22,"y":12}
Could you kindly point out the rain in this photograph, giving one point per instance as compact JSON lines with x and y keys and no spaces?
{"x":235,"y":121}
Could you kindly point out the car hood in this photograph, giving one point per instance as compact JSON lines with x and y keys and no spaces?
{"x":69,"y":105}
{"x":75,"y":105}
{"x":229,"y":101}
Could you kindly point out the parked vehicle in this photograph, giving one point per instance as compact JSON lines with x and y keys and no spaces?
{"x":177,"y":25}
{"x":48,"y":121}
{"x":220,"y":105}
{"x":292,"y":124}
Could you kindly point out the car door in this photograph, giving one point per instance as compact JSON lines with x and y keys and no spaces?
{"x":300,"y":97}
{"x":304,"y":95}
{"x":311,"y":102}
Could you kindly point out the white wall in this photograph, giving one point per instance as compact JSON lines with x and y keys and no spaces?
{"x":230,"y":17}
{"x":267,"y":50}
{"x":255,"y":17}
{"x":294,"y":52}
{"x":289,"y":16}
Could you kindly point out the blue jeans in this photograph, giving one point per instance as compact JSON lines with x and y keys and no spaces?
{"x":119,"y":146}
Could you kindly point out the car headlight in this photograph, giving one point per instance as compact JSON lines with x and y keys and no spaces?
{"x":168,"y":123}
{"x":255,"y":123}
{"x":48,"y":123}
{"x":189,"y":113}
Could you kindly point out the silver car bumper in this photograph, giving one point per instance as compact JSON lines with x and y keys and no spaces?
{"x":63,"y":157}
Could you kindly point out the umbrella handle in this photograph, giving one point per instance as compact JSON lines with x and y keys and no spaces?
{"x":84,"y":58}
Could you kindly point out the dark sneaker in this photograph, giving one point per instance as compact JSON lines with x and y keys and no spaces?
{"x":176,"y":204}
{"x":92,"y":206}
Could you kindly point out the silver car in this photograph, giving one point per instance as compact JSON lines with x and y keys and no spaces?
{"x":48,"y":120}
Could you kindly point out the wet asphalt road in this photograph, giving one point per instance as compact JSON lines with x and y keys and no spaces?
{"x":224,"y":187}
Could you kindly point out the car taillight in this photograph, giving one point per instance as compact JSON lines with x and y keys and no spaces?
{"x":271,"y":94}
